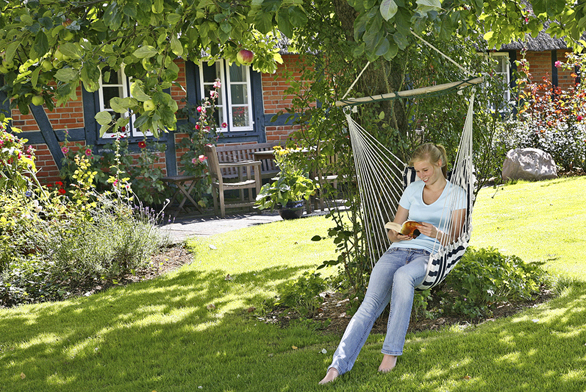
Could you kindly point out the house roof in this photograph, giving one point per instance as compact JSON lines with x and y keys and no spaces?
{"x":542,"y":42}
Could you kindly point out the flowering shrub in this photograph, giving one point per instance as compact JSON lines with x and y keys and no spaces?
{"x":56,"y":240}
{"x":17,"y":162}
{"x":116,"y":162}
{"x":552,"y":119}
{"x":203,"y":132}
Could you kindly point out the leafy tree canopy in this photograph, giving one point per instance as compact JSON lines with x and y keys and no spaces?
{"x":50,"y":47}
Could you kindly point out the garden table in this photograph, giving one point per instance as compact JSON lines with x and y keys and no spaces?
{"x":182,"y":189}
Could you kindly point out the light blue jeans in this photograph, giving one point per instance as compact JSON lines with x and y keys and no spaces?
{"x":393,"y":279}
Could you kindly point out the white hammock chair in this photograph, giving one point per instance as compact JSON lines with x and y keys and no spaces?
{"x":382,"y":176}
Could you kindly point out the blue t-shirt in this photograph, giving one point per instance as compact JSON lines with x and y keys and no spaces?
{"x":438,"y":213}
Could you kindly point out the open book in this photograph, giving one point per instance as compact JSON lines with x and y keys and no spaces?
{"x":409,"y":228}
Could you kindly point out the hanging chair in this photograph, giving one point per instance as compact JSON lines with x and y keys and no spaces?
{"x":381,"y":176}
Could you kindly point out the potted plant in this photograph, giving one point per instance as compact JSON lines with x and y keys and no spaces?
{"x":289,"y":191}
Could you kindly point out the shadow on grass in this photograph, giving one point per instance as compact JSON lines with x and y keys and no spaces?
{"x":145,"y":336}
{"x":542,"y":349}
{"x":159,"y":335}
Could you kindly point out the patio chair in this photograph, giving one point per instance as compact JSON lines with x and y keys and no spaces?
{"x":220,"y":184}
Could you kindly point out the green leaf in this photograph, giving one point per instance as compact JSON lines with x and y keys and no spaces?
{"x":425,"y":6}
{"x":41,"y":44}
{"x":120,"y":105}
{"x":103,"y":118}
{"x":35,"y":77}
{"x":297,"y":17}
{"x":104,"y":129}
{"x":11,"y":51}
{"x":388,"y":9}
{"x":173,"y":18}
{"x":136,"y":90}
{"x":176,"y":46}
{"x":71,"y":50}
{"x":263,"y":22}
{"x":383,"y":47}
{"x":129,"y":9}
{"x":146,"y":51}
{"x":401,"y":40}
{"x":157,"y":6}
{"x":66,"y":75}
{"x":283,"y":22}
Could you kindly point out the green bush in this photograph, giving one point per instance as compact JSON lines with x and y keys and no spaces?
{"x":302,"y":294}
{"x":55,"y":242}
{"x":485,"y":278}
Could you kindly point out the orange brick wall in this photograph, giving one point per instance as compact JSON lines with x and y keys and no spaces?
{"x":541,"y":66}
{"x":69,"y":115}
{"x":274,"y":97}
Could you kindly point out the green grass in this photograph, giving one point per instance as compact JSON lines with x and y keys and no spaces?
{"x":159,"y":335}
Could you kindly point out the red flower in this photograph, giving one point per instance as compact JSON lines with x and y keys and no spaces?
{"x":142,"y":144}
{"x":59,"y":184}
{"x":62,"y":191}
{"x":579,"y":118}
{"x":88,"y":152}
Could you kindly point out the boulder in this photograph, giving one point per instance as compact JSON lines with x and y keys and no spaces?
{"x":529,"y":164}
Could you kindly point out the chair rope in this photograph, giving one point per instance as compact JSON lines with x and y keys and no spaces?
{"x":382,"y":177}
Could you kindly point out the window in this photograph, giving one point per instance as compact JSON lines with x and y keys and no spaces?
{"x":234,"y":104}
{"x":116,"y":84}
{"x":502,"y":69}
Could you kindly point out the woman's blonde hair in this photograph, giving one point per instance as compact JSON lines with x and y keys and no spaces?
{"x":432,"y":153}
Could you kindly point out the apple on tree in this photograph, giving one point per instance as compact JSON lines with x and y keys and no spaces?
{"x":148,"y":105}
{"x":38,"y":100}
{"x":245,"y":56}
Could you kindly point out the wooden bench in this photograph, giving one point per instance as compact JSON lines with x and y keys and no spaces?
{"x":244,"y":152}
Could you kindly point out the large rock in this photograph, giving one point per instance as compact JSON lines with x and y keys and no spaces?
{"x":529,"y":164}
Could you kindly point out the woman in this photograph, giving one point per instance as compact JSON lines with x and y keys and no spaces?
{"x":404,"y":265}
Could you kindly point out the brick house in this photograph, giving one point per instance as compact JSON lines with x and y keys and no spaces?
{"x":252,"y":100}
{"x":541,"y":52}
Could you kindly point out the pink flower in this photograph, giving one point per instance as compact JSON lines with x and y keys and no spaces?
{"x":194,"y":161}
{"x":217,"y":83}
{"x":196,"y":126}
{"x":202,"y":158}
{"x":115,"y":183}
{"x":213,"y":94}
{"x":579,"y":118}
{"x":558,"y":64}
{"x":199,"y":109}
{"x":224,"y":125}
{"x":88,"y":152}
{"x":65,"y":150}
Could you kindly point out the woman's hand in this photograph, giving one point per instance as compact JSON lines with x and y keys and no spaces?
{"x":396,"y":237}
{"x":429,"y":230}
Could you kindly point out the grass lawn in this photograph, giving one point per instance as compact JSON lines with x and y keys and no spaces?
{"x":160,"y":335}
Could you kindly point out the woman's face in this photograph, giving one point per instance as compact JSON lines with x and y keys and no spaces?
{"x":427,"y":171}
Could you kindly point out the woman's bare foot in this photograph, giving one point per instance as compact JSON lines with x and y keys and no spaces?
{"x":388,"y":363}
{"x":330,"y":376}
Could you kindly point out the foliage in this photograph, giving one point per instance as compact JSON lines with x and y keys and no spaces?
{"x":116,"y":162}
{"x":292,"y":184}
{"x":201,"y":129}
{"x":49,"y":48}
{"x":400,"y":125}
{"x":486,"y":278}
{"x":302,"y":294}
{"x":17,"y":160}
{"x":55,"y":241}
{"x":549,"y":118}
